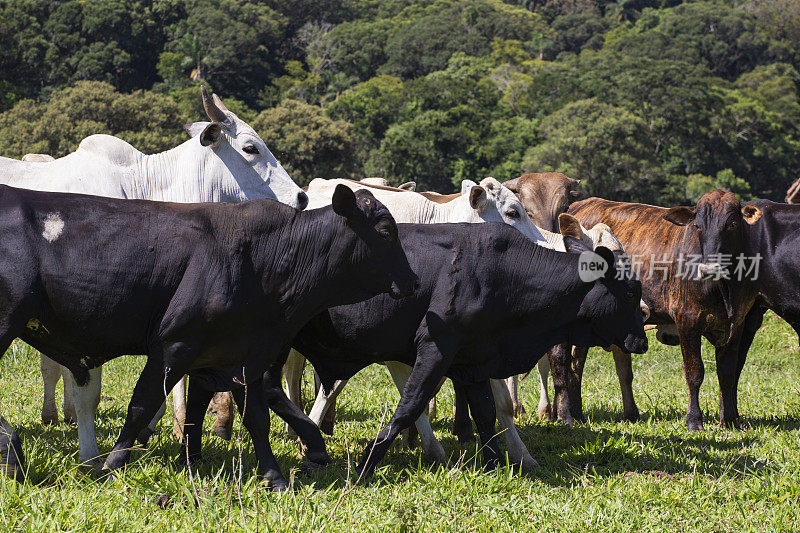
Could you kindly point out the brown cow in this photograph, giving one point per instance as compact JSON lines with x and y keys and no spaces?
{"x":545,"y":195}
{"x":697,"y":298}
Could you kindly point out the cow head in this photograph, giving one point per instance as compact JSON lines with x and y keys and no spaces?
{"x":491,"y":202}
{"x":545,"y":196}
{"x":717,"y":220}
{"x":236,"y":160}
{"x":610,"y":313}
{"x":381,"y":263}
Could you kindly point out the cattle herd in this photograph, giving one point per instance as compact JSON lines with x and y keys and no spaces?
{"x":213,"y":263}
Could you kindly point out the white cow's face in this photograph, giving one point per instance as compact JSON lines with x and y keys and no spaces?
{"x":242,"y":167}
{"x":494,"y":203}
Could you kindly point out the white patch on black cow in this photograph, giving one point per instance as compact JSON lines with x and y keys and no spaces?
{"x":53,"y":226}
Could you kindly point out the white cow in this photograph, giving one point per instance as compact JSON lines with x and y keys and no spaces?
{"x":225,"y":160}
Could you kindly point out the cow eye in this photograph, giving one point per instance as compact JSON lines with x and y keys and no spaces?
{"x":629,"y":295}
{"x":386,"y":235}
{"x":513,"y":213}
{"x":250,"y":149}
{"x":732,"y":224}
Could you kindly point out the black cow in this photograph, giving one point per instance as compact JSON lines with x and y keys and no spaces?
{"x":491,"y":304}
{"x":774,"y":243}
{"x":216,"y":291}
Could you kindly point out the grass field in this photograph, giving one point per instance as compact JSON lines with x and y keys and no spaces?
{"x":604,"y":475}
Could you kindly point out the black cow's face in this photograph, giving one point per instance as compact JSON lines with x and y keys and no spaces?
{"x":611,"y":309}
{"x":382,"y":266}
{"x":718,"y":222}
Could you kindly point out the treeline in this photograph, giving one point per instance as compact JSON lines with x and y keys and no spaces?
{"x":647,"y":100}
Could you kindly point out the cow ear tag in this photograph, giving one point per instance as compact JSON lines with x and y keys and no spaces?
{"x":751,"y":214}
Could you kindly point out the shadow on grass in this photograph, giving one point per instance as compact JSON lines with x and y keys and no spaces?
{"x":564,"y":453}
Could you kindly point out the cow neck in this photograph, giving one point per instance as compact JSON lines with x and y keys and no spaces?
{"x":161,"y":179}
{"x":546,"y":279}
{"x":306,"y":259}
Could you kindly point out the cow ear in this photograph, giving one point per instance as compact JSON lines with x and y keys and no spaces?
{"x":477,"y":198}
{"x":512,"y":185}
{"x":608,"y":257}
{"x":195,"y":128}
{"x":466,"y":185}
{"x":680,"y":216}
{"x":569,"y":226}
{"x":408,"y":186}
{"x":211,"y":134}
{"x":575,"y":246}
{"x":751,"y":214}
{"x":344,"y":202}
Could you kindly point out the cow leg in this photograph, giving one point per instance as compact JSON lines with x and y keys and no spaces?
{"x":328,"y":418}
{"x":148,"y":395}
{"x":462,"y":423}
{"x":87,"y":399}
{"x":513,"y":389}
{"x":152,"y":428}
{"x":222,"y":408}
{"x":179,"y":408}
{"x":51,"y":373}
{"x":70,"y":416}
{"x":429,"y":368}
{"x":252,"y":404}
{"x":197,"y":401}
{"x":303,"y":427}
{"x":694,"y":371}
{"x":575,"y":382}
{"x":517,"y":452}
{"x":12,"y":460}
{"x":622,"y":361}
{"x":752,"y":323}
{"x":431,"y":447}
{"x":293,"y":370}
{"x":324,"y":401}
{"x":545,"y":410}
{"x":559,"y":361}
{"x":481,"y":405}
{"x":727,"y":366}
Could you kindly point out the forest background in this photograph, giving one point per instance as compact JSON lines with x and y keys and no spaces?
{"x":655,"y":101}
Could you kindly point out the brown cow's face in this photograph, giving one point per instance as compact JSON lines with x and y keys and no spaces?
{"x":718,"y":222}
{"x":545,"y":196}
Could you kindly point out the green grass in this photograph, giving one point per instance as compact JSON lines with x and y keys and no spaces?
{"x":604,"y":475}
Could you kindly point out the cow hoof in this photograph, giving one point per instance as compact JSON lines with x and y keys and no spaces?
{"x":309,"y":467}
{"x":144,"y":436}
{"x":223,"y":432}
{"x":545,"y":412}
{"x":694,"y":425}
{"x":184,"y":461}
{"x":50,"y":419}
{"x":632,"y":416}
{"x":320,"y":458}
{"x":730,"y":424}
{"x":528,"y":464}
{"x":519,"y":410}
{"x":277,"y":483}
{"x":436,"y":456}
{"x":93,"y":463}
{"x":410,"y":437}
{"x":326,"y":426}
{"x":70,"y":420}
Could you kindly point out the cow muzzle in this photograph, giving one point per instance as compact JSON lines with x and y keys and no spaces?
{"x":635,"y":343}
{"x":711,"y":271}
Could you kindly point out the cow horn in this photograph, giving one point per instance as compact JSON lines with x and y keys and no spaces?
{"x":218,"y":101}
{"x":214,"y":113}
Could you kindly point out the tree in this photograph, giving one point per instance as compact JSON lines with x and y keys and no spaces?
{"x":149,"y":121}
{"x":307,"y":142}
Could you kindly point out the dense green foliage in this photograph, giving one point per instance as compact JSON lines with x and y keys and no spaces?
{"x":605,"y":475}
{"x":648,"y":100}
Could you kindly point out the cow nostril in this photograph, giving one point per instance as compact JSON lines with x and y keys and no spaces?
{"x":417,"y":285}
{"x":302,"y":200}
